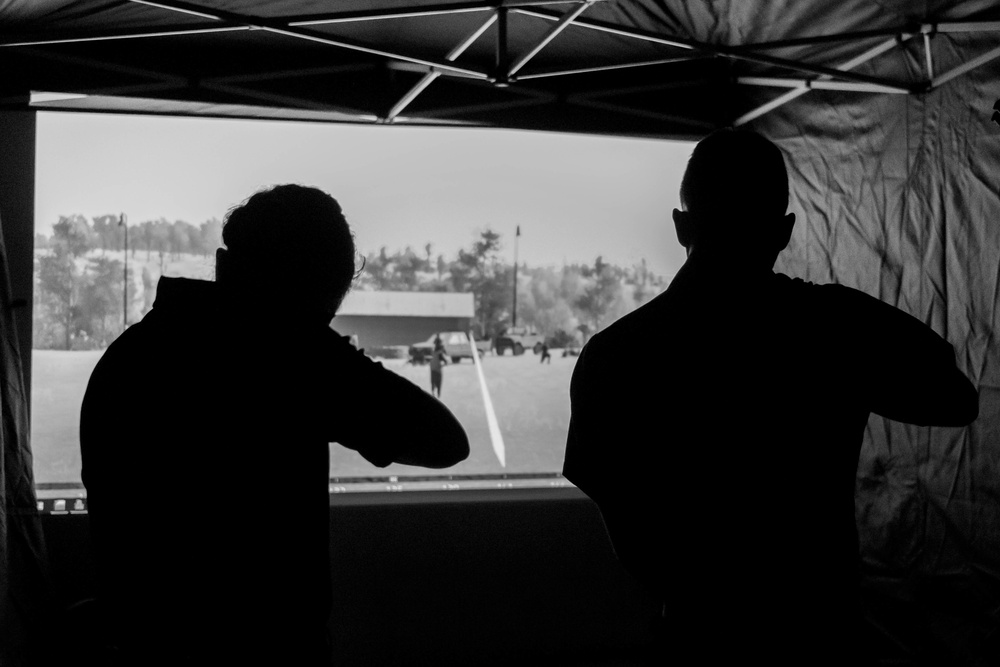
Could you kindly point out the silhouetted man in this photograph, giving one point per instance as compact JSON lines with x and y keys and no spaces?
{"x":205,"y":437}
{"x":724,"y":462}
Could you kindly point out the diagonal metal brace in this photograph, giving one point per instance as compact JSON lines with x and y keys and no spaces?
{"x":428,"y":78}
{"x":284,"y":28}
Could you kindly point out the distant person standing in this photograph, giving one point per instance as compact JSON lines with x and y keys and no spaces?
{"x":724,"y":464}
{"x":437,"y":361}
{"x":545,"y":354}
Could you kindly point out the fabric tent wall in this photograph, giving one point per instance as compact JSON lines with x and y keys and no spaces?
{"x":25,"y":589}
{"x":899,"y":196}
{"x":24,"y":584}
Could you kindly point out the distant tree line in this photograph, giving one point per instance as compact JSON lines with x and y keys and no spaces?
{"x":565,"y":303}
{"x":79,"y":300}
{"x":80,"y":280}
{"x":169,"y":239}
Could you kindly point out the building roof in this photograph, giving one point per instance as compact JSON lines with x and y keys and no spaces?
{"x":408,"y":304}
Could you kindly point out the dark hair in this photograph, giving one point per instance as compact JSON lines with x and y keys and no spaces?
{"x":734,"y":174}
{"x":292,"y":236}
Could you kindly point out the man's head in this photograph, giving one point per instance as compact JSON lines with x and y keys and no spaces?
{"x":734,"y":194}
{"x":291,"y":244}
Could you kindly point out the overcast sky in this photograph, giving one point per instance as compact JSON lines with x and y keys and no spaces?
{"x":574,"y":196}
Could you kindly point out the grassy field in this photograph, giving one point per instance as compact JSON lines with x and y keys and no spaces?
{"x":58,"y":380}
{"x":531,"y":402}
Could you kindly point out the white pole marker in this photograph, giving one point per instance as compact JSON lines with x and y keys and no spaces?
{"x":496,"y":438}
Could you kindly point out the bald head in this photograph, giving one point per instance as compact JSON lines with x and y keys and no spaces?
{"x":733,"y":171}
{"x":735,"y":195}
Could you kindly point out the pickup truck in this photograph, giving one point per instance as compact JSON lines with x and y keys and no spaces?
{"x":517,"y":340}
{"x":456,"y":346}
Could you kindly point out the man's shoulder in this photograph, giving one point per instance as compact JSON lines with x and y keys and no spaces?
{"x":824,"y":295}
{"x":798,"y":288}
{"x":182,"y":307}
{"x":846,"y":317}
{"x":136,"y":337}
{"x":171,"y":290}
{"x":633,"y":333}
{"x":648,"y":316}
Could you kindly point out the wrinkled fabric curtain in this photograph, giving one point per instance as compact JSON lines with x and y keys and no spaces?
{"x":23,"y":582}
{"x":899,"y":196}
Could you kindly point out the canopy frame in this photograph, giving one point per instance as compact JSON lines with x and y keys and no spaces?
{"x":507,"y":72}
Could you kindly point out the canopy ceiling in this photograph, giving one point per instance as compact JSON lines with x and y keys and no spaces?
{"x":640,"y":67}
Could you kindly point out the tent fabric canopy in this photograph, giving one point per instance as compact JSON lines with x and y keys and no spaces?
{"x":882,"y":108}
{"x":660,"y":69}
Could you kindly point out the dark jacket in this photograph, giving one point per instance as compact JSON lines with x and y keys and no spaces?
{"x":205,"y":436}
{"x":724,"y":459}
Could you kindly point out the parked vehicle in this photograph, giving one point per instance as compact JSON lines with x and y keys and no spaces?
{"x":517,"y":340}
{"x":456,"y":346}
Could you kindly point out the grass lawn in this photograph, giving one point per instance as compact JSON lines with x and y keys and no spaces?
{"x":58,"y":381}
{"x":531,"y":402}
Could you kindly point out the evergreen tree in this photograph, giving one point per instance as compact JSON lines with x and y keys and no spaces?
{"x":479,"y":270}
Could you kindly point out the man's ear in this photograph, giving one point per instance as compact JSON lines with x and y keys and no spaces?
{"x":784,"y":232}
{"x":684,"y":226}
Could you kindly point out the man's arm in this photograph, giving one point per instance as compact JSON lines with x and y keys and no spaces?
{"x":914,"y":377}
{"x":388,"y":419}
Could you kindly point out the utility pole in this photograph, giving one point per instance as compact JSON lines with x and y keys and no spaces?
{"x":513,"y":317}
{"x":123,"y":222}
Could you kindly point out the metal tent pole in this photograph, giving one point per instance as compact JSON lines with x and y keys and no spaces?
{"x":123,"y":222}
{"x":513,"y":318}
